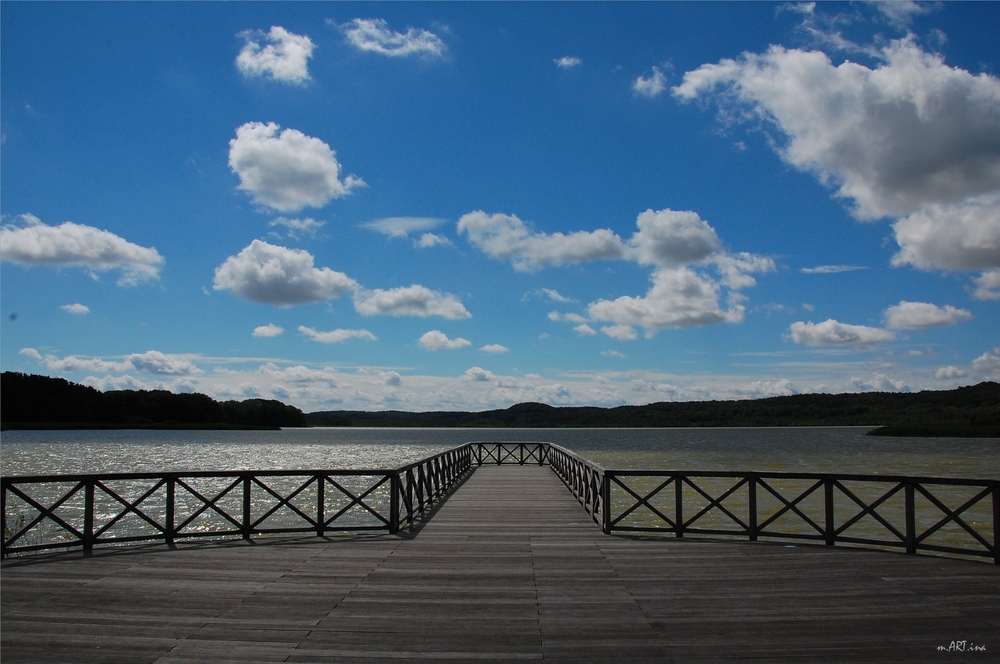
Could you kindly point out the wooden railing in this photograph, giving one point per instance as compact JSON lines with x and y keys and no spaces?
{"x":913,"y":514}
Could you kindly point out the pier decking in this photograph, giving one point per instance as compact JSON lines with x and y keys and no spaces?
{"x":509,"y":567}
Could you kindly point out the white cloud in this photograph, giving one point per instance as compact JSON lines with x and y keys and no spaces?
{"x":987,"y":285}
{"x":900,"y":12}
{"x":988,"y":363}
{"x":553,"y":295}
{"x":111,"y":383}
{"x":273,"y":274}
{"x":504,"y":237}
{"x":402,"y":226}
{"x":569,"y":318}
{"x":494,"y":348}
{"x":620,"y":332}
{"x":921,"y":315}
{"x":651,"y":86}
{"x":669,"y":238}
{"x":297,"y":227}
{"x":948,"y":373}
{"x":438,"y":340}
{"x":374,"y":36}
{"x":834,"y":333}
{"x":479,"y":375}
{"x":78,"y":309}
{"x":613,"y":353}
{"x":428,"y":240}
{"x":286,"y":171}
{"x":336,"y":336}
{"x":584,"y":330}
{"x":831,"y":269}
{"x":391,"y":378}
{"x":913,"y":139}
{"x":679,"y":297}
{"x":568,"y":62}
{"x":911,"y":131}
{"x":414,"y":300}
{"x":285,"y":56}
{"x":963,"y":236}
{"x":76,"y":245}
{"x":269,"y":330}
{"x":151,"y":362}
{"x":155,"y":362}
{"x":879,"y":382}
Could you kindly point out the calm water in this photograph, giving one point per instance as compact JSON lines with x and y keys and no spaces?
{"x":798,"y":449}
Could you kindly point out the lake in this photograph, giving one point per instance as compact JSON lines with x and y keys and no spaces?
{"x":791,"y":449}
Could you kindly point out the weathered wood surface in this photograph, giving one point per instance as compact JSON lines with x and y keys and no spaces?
{"x":508,"y":568}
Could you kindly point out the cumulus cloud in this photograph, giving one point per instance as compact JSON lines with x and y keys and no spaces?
{"x":284,"y":56}
{"x":494,"y":348}
{"x":834,"y":333}
{"x":269,"y":330}
{"x":286,"y":171}
{"x":78,"y":309}
{"x":909,"y":132}
{"x":650,"y":86}
{"x":478,"y":375}
{"x":949,"y":373}
{"x":568,"y":62}
{"x":298,"y":227}
{"x":414,"y":300}
{"x":988,"y":363}
{"x":273,"y":274}
{"x":584,"y":330}
{"x":963,"y":236}
{"x":428,"y":240}
{"x":831,"y":269}
{"x":506,"y":237}
{"x":374,"y":36}
{"x":438,"y":340}
{"x":336,"y":336}
{"x":151,"y":362}
{"x":670,"y":237}
{"x":155,"y":362}
{"x":679,"y":297}
{"x":76,"y":245}
{"x":987,"y":285}
{"x":402,"y":226}
{"x":549,"y":293}
{"x":921,"y":315}
{"x":913,"y":139}
{"x":391,"y":378}
{"x":613,"y":353}
{"x":620,"y":332}
{"x":676,"y":242}
{"x":879,"y":382}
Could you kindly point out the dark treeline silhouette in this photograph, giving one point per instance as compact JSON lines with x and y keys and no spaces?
{"x":966,"y":411}
{"x":29,"y":401}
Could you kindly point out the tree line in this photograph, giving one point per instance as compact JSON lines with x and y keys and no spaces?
{"x":966,"y":411}
{"x":29,"y":401}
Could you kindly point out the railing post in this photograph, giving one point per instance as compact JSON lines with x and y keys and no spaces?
{"x":246,"y":507}
{"x":752,"y":507}
{"x":88,"y":516}
{"x":996,"y":524}
{"x":394,"y":503}
{"x":171,"y":498}
{"x":679,"y":505}
{"x":320,"y":505}
{"x":606,"y":503}
{"x":828,"y":496}
{"x":911,"y":519}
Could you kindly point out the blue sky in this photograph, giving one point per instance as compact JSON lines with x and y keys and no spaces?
{"x":440,"y":206}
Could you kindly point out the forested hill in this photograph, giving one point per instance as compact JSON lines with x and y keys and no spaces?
{"x":40,"y":402}
{"x":966,"y":411}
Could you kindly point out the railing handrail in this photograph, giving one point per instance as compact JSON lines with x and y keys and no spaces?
{"x":415,"y":486}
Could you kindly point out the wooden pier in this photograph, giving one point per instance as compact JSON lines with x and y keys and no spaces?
{"x":508,"y":567}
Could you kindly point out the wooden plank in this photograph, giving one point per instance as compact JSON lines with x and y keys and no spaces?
{"x":509,"y":567}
